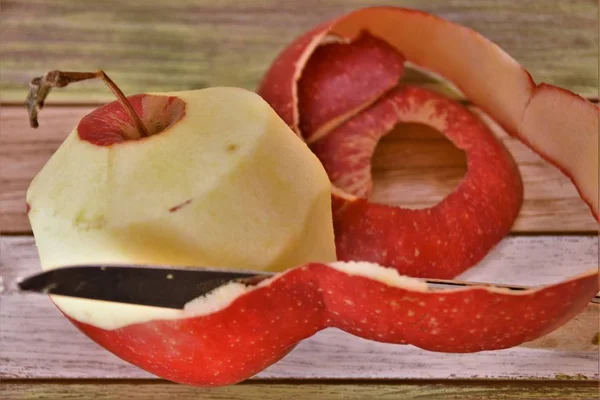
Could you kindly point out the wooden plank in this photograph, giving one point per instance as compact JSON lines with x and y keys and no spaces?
{"x":318,"y":391}
{"x":189,"y":44}
{"x":414,"y":166}
{"x":36,"y":341}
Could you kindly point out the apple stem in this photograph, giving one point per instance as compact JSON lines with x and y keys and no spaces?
{"x":40,"y":87}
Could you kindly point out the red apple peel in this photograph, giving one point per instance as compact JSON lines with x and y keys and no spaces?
{"x":555,"y":123}
{"x":441,"y":241}
{"x":342,"y":79}
{"x":157,"y":112}
{"x":261,"y":326}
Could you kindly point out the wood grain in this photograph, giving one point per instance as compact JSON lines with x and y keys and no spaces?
{"x":295,"y":391}
{"x":36,"y":341}
{"x":191,"y":44}
{"x":413,"y":167}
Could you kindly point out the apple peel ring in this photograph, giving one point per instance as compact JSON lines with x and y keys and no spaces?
{"x":259,"y":325}
{"x":441,"y":241}
{"x":557,"y":124}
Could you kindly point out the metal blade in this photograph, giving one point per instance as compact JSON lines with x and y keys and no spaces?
{"x":141,"y":285}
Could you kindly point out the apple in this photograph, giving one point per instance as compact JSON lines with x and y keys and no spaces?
{"x":217,"y":179}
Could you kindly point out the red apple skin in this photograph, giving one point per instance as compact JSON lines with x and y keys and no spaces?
{"x":441,"y":241}
{"x":262,"y":326}
{"x":157,"y":112}
{"x":283,"y":97}
{"x":341,"y":79}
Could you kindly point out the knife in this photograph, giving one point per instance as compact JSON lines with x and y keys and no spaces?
{"x":163,"y":286}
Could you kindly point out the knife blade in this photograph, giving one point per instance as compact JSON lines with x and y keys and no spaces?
{"x":146,"y":285}
{"x":164,"y":286}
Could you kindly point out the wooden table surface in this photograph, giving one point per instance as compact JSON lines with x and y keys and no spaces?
{"x":189,"y":44}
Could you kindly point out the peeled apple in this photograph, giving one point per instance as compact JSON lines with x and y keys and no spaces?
{"x":224,"y":183}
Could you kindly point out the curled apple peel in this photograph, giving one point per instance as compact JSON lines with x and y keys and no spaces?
{"x":258,"y":326}
{"x":444,"y":240}
{"x":441,"y":241}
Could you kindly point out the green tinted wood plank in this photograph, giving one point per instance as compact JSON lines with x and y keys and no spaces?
{"x":190,"y":44}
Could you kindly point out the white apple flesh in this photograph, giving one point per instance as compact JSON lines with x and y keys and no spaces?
{"x":226,"y":183}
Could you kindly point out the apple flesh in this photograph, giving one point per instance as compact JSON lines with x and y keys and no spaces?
{"x":221,"y":182}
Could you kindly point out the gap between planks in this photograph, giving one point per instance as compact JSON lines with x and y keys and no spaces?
{"x":294,"y":390}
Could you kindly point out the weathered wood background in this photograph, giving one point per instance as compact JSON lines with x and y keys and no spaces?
{"x":190,"y":44}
